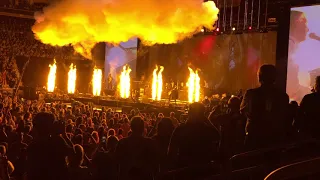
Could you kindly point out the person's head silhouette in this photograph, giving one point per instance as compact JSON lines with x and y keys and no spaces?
{"x":78,"y":139}
{"x":43,"y":123}
{"x":267,"y":74}
{"x":137,"y":126}
{"x":234,"y":104}
{"x":3,"y":150}
{"x":196,"y":112}
{"x":172,"y":114}
{"x":165,"y":127}
{"x":317,"y":85}
{"x":111,"y":132}
{"x":112,"y":143}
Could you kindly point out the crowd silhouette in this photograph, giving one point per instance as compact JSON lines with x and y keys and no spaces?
{"x":54,"y":141}
{"x":17,"y":43}
{"x":26,"y":5}
{"x":17,"y":39}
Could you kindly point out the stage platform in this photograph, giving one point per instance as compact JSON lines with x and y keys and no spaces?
{"x":125,"y":105}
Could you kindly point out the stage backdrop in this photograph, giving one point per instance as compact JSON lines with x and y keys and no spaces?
{"x":227,"y":62}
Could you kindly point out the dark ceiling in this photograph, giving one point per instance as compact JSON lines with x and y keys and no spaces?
{"x":291,"y":2}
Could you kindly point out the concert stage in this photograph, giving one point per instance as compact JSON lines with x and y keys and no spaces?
{"x":123,"y":105}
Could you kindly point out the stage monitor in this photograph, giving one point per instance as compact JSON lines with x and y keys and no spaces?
{"x":116,"y":56}
{"x":303,"y":53}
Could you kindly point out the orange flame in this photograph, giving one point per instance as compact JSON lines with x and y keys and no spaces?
{"x":193,"y":86}
{"x":96,"y":81}
{"x":125,"y":82}
{"x":51,"y":84}
{"x":157,"y":83}
{"x":160,"y":83}
{"x":83,"y":23}
{"x":154,"y":83}
{"x":72,"y":76}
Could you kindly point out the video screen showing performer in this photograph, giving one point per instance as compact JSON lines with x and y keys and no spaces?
{"x":303,"y":53}
{"x":116,"y":56}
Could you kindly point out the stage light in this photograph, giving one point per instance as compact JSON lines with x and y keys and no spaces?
{"x":202,"y":30}
{"x":217,"y":29}
{"x":233,"y":29}
{"x":52,"y":77}
{"x":250,"y":28}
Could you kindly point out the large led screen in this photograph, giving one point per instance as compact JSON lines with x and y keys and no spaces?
{"x":116,"y":56}
{"x":303,"y":55}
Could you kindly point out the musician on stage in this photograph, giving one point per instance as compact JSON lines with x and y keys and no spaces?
{"x":174,"y":94}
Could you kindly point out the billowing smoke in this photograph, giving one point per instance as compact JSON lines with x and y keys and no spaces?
{"x":83,"y":23}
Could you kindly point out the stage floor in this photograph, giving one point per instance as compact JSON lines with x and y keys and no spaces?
{"x":123,"y":104}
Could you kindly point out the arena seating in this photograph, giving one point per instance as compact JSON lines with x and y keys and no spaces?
{"x":307,"y":169}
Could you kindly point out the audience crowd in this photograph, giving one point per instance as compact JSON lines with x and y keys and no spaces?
{"x":27,"y":5}
{"x":56,"y":141}
{"x":17,"y":39}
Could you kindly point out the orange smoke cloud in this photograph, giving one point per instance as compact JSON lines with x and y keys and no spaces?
{"x":82,"y":23}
